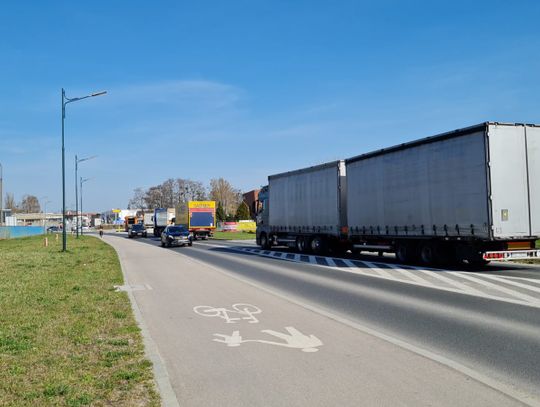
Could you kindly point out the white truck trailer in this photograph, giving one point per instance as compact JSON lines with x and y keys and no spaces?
{"x":467,"y":195}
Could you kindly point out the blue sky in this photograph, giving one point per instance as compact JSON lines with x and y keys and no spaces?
{"x":245,"y":89}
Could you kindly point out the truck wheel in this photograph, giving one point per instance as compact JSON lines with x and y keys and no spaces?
{"x":405,"y":253}
{"x":300,"y":244}
{"x":265,"y":243}
{"x":428,"y":253}
{"x":478,"y":263}
{"x":318,"y":245}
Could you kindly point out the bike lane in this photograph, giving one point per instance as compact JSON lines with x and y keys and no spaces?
{"x":228,"y":343}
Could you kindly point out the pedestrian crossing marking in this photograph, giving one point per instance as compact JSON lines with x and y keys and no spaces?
{"x":501,"y":288}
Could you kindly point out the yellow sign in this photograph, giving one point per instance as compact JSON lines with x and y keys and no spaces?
{"x":117,"y":210}
{"x":202,"y":204}
{"x":246,"y":227}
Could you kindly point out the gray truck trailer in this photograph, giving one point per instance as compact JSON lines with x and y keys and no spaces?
{"x":468,"y":195}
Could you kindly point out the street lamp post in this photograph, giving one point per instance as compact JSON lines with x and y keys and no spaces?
{"x":82,"y":182}
{"x":65,"y":101}
{"x":77,"y":161}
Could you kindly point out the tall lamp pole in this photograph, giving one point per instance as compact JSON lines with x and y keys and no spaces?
{"x":82,"y":182}
{"x":77,"y":161}
{"x":65,"y":101}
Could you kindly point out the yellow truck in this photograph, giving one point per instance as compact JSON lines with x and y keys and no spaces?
{"x":198,"y":216}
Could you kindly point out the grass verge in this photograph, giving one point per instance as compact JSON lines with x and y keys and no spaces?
{"x":234,"y":235}
{"x":66,"y":337}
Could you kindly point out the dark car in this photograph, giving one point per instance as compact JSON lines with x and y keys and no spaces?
{"x":176,"y":235}
{"x":137,"y":230}
{"x":53,"y":229}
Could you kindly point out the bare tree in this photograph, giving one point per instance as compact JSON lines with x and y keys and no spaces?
{"x":154,"y":198}
{"x":10,"y":202}
{"x":30,"y":204}
{"x":168,"y":194}
{"x":189,"y":190}
{"x":138,"y":201}
{"x":222,"y":191}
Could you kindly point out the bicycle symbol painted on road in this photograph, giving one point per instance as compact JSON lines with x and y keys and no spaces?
{"x":238,"y":312}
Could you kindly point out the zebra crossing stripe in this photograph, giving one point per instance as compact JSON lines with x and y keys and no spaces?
{"x":513,"y":293}
{"x":412,"y":275}
{"x":512,"y":282}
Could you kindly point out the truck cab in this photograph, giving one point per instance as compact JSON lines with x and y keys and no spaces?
{"x":262,"y":218}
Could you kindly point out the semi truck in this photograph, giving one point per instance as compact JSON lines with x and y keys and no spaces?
{"x":161,"y":220}
{"x":198,"y":216}
{"x":470,"y":195}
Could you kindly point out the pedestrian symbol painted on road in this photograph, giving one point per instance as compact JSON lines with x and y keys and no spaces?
{"x":238,"y":312}
{"x":294,"y":339}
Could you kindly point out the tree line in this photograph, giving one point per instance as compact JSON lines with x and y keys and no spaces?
{"x":28,"y":204}
{"x":175,"y":191}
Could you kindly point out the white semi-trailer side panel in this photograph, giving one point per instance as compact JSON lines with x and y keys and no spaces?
{"x":432,"y":188}
{"x":514,"y":152}
{"x":306,"y":200}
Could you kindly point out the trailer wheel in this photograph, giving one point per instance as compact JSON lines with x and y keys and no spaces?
{"x":300,"y":244}
{"x":318,"y":245}
{"x":265,"y":243}
{"x":405,"y":253}
{"x":428,"y":253}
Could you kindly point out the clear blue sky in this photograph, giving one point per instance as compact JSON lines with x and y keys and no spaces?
{"x":242,"y":89}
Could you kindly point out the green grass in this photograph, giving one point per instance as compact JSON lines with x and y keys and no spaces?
{"x":234,"y":235}
{"x":66,"y":337}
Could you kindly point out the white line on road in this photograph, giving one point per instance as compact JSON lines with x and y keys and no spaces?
{"x":513,"y":293}
{"x":510,"y":391}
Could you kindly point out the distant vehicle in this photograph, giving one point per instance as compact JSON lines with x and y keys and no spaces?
{"x":161,"y":220}
{"x":53,"y":229}
{"x":198,"y":216}
{"x":137,"y":230}
{"x":176,"y":235}
{"x":131,"y":220}
{"x":148,"y":220}
{"x":469,"y":195}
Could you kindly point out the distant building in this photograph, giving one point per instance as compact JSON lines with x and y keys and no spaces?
{"x":251,"y":198}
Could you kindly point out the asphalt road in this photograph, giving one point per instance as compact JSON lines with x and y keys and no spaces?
{"x":239,"y":326}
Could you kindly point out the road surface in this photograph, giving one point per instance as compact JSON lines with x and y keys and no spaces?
{"x":238,"y":326}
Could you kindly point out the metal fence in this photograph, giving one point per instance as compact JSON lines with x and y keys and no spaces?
{"x":10,"y":232}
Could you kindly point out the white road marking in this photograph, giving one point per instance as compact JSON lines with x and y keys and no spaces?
{"x":509,"y":390}
{"x":398,"y":274}
{"x":294,"y":339}
{"x":413,"y":276}
{"x":511,"y":282}
{"x":246,"y":312}
{"x":453,"y":283}
{"x":330,"y":262}
{"x":505,"y":290}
